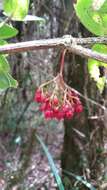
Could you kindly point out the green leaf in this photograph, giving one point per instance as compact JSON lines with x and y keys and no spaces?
{"x":79,"y":178}
{"x":4,"y":65}
{"x":52,"y":165}
{"x":3,"y":42}
{"x":93,"y":66}
{"x":101,"y":48}
{"x":7,"y":31}
{"x":100,"y":6}
{"x":101,"y":83}
{"x":93,"y":69}
{"x":16,"y":9}
{"x":6,"y":81}
{"x":94,"y":21}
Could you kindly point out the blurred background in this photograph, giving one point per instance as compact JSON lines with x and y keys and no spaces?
{"x":77,"y":146}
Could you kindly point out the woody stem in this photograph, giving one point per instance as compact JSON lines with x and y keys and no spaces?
{"x":62,"y":61}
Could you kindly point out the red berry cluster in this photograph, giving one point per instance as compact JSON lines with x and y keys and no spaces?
{"x":59,"y":102}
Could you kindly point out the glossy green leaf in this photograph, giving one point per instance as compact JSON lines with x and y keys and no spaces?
{"x":94,"y":21}
{"x":6,"y":81}
{"x":4,"y":65}
{"x":93,"y":66}
{"x":16,"y":9}
{"x":100,"y":6}
{"x":52,"y":165}
{"x":7,"y":31}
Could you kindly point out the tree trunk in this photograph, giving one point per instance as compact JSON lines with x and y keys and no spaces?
{"x":85,"y":140}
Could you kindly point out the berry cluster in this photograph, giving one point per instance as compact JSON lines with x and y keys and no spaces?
{"x":57,"y":100}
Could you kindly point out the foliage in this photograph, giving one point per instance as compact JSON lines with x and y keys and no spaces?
{"x":93,"y":15}
{"x":6,"y":32}
{"x":93,"y":66}
{"x":14,"y":10}
{"x":95,"y":21}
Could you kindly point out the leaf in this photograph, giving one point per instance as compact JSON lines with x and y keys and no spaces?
{"x":98,"y":4}
{"x":52,"y":165}
{"x":101,"y":6}
{"x":34,"y":18}
{"x":3,"y":42}
{"x":94,"y":21}
{"x":93,"y":66}
{"x":6,"y":81}
{"x":101,"y":48}
{"x":7,"y":31}
{"x":79,"y":178}
{"x":16,"y":9}
{"x":4,"y":65}
{"x":93,"y":69}
{"x":101,"y":83}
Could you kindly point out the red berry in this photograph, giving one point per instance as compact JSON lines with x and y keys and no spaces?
{"x":48,"y":114}
{"x":38,"y":91}
{"x":43,"y":107}
{"x":78,"y":108}
{"x":48,"y":106}
{"x":69,"y":114}
{"x":37,"y":97}
{"x":65,"y":108}
{"x":55,"y":101}
{"x":46,"y":99}
{"x":60,"y":115}
{"x":56,"y":110}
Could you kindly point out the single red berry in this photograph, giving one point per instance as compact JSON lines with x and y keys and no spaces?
{"x":43,"y":107}
{"x":65,"y":108}
{"x":48,"y":114}
{"x":60,"y":115}
{"x":55,"y":101}
{"x":69,"y":114}
{"x":78,"y":108}
{"x":37,"y":97}
{"x":56,"y":110}
{"x":38,"y":91}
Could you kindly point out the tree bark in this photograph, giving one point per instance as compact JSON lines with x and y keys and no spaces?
{"x":85,"y":137}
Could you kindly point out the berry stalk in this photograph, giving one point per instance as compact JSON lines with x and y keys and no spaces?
{"x":62,"y":62}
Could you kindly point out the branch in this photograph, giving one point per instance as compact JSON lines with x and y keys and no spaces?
{"x":91,"y":40}
{"x":72,"y":44}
